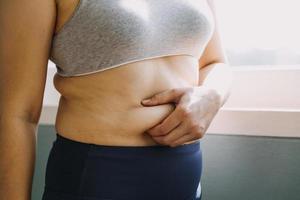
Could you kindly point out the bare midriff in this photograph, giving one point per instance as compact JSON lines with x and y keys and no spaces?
{"x":105,"y":107}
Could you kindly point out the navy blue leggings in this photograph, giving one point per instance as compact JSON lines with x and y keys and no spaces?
{"x":84,"y":171}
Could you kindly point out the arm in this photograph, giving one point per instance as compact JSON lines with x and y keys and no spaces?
{"x":214,"y":70}
{"x":25,"y":40}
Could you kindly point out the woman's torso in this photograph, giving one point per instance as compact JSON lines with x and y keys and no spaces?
{"x":105,"y":107}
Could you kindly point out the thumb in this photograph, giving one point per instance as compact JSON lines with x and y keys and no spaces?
{"x":167,"y":96}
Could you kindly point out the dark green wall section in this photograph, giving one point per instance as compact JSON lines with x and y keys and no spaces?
{"x":251,"y":168}
{"x":235,"y":167}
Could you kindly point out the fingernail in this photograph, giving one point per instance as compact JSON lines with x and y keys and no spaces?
{"x":146,"y":100}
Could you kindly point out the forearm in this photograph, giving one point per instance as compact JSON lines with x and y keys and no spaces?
{"x":17,"y":158}
{"x":217,"y":76}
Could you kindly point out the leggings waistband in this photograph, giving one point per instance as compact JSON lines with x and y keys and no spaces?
{"x":142,"y":150}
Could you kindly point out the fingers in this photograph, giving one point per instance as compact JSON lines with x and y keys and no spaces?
{"x":167,"y":96}
{"x":183,"y":133}
{"x":185,"y":138}
{"x":175,"y":134}
{"x":167,"y":125}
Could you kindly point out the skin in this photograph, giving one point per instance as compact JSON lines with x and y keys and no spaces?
{"x":186,"y":94}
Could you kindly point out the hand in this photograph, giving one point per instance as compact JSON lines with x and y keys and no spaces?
{"x":195,"y":109}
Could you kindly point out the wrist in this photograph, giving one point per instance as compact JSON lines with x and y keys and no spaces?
{"x":214,"y":94}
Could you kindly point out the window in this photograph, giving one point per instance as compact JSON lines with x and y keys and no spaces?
{"x":262,"y":42}
{"x":260,"y":32}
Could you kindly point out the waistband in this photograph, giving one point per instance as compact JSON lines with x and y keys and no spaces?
{"x":109,"y":149}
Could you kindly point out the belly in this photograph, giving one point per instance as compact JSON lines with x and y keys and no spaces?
{"x":105,"y":107}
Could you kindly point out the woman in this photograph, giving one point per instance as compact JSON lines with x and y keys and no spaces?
{"x":110,"y":55}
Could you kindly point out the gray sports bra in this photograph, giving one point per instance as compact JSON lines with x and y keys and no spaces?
{"x":103,"y":34}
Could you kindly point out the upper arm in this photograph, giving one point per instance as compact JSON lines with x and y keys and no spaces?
{"x":25,"y":40}
{"x":214,"y":51}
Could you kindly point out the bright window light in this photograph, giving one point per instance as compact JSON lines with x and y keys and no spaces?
{"x":260,"y":32}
